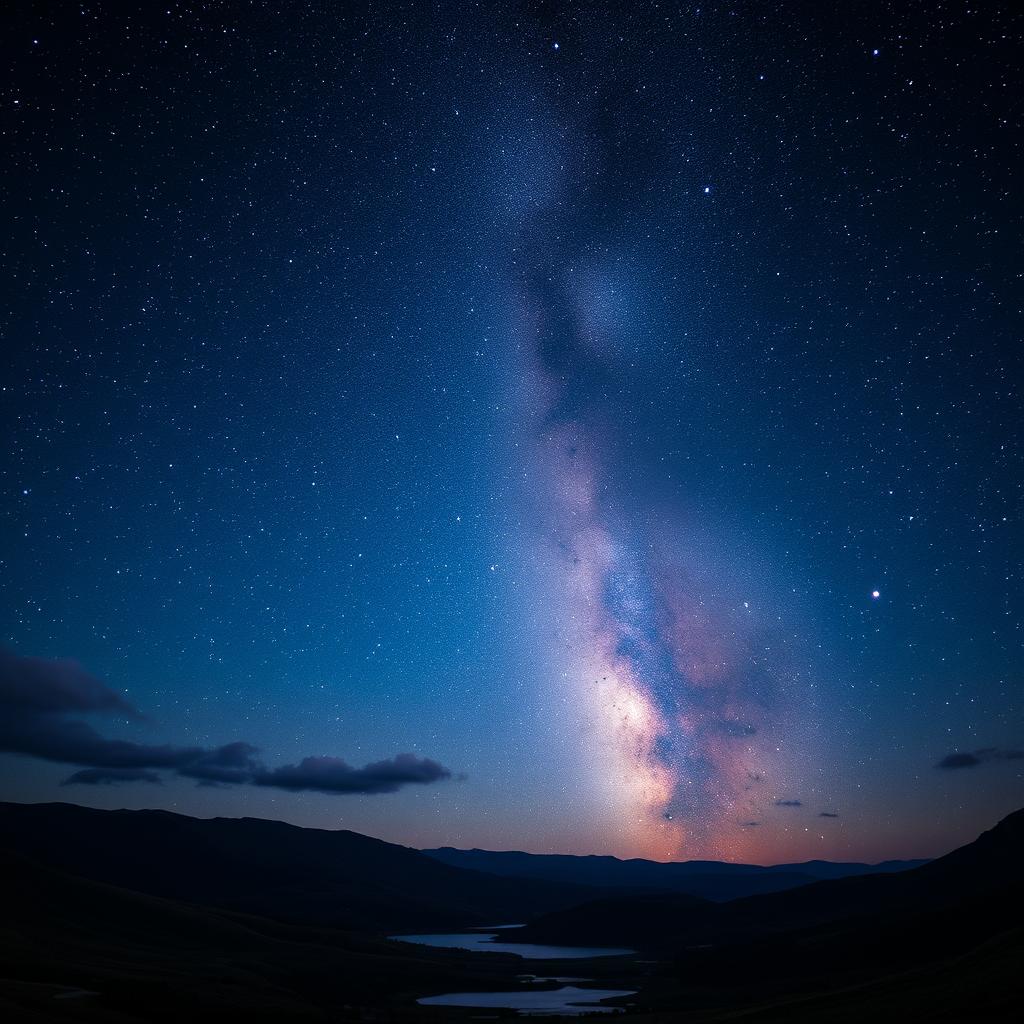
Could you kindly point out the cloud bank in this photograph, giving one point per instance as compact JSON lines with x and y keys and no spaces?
{"x":973,"y":758}
{"x":332,"y":775}
{"x":38,"y":698}
{"x":109,"y":776}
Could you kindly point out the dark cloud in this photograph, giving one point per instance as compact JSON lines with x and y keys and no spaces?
{"x":79,"y":743}
{"x":110,"y":776}
{"x":789,"y":803}
{"x":333,"y":775}
{"x":958,"y":760}
{"x":42,"y":686}
{"x":973,"y":758}
{"x":228,"y":765}
{"x":828,"y":814}
{"x":37,"y":697}
{"x":750,"y":824}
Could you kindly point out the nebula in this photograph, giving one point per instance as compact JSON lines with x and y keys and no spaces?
{"x":680,"y":696}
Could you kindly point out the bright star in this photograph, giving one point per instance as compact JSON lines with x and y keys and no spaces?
{"x":876,"y":594}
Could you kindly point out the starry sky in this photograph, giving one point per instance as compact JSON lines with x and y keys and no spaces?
{"x":586,"y":428}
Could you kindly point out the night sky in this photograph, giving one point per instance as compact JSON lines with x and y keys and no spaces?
{"x":562,"y":427}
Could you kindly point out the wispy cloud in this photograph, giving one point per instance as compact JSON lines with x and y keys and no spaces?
{"x":973,"y":758}
{"x":41,"y":702}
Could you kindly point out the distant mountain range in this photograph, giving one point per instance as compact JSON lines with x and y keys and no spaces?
{"x":940,"y":942}
{"x":985,"y":875}
{"x":711,"y":880}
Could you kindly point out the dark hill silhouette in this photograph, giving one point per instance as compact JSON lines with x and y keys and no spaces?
{"x":713,"y":880}
{"x":76,"y":949}
{"x":981,"y":870}
{"x":342,"y":879}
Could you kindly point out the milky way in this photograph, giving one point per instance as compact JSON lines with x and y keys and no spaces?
{"x":581,"y":428}
{"x":685,"y":708}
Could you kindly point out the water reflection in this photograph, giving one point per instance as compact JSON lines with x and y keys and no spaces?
{"x":566,"y":1000}
{"x":485,"y":942}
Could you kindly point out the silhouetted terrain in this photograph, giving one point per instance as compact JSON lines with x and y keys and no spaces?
{"x":712,"y":880}
{"x":270,"y":868}
{"x":939,"y":942}
{"x":76,"y":949}
{"x":986,"y":869}
{"x":121,"y":916}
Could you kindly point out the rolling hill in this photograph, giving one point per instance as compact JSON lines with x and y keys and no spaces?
{"x":74,"y":949}
{"x":337,"y":878}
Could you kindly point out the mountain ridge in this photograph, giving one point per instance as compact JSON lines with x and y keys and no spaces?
{"x":715,"y":880}
{"x":252,"y":865}
{"x":966,"y":875}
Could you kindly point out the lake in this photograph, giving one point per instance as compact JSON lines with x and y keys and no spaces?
{"x":484,"y":942}
{"x":566,"y":1000}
